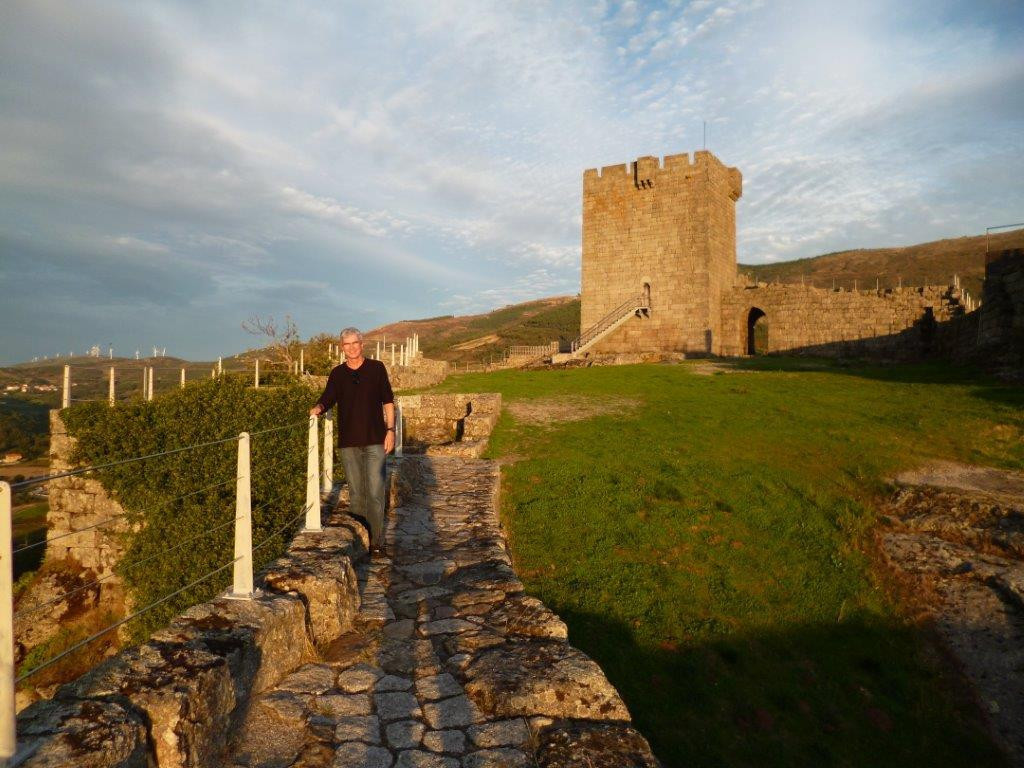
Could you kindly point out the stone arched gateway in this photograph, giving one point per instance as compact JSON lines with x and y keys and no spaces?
{"x":757,"y":331}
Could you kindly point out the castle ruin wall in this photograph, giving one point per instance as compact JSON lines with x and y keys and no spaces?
{"x":891,"y":322}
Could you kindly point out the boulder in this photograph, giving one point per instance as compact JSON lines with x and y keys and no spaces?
{"x":542,"y":677}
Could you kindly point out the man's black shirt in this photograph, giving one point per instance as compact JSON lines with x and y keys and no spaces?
{"x":361,"y":394}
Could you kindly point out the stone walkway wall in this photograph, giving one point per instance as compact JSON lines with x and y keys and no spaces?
{"x":86,"y":502}
{"x":433,"y":656}
{"x":450,"y":663}
{"x":448,"y":425}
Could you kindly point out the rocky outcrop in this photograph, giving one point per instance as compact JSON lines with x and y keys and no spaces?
{"x":954,"y":534}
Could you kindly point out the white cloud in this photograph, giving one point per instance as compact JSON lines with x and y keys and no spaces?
{"x":401,"y":153}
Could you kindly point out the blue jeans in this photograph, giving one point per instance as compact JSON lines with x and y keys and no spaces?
{"x":364,"y":470}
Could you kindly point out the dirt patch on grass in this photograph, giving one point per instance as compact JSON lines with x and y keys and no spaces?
{"x":552,"y":410}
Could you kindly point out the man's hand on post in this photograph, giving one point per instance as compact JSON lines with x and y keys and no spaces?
{"x":315,"y":410}
{"x":389,"y":442}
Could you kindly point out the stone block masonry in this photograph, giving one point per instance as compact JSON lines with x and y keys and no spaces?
{"x":448,"y":425}
{"x":664,"y":227}
{"x":806,"y":319}
{"x":78,"y":503}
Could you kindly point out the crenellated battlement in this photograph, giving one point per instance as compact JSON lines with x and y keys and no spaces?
{"x":648,"y":171}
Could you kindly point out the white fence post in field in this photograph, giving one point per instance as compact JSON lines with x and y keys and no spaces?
{"x":392,"y":355}
{"x":398,"y":430}
{"x":182,"y":378}
{"x":65,"y":398}
{"x":220,"y":365}
{"x":8,"y":737}
{"x":111,"y":391}
{"x":376,"y":355}
{"x":313,"y":480}
{"x":145,"y":381}
{"x":242,"y":586}
{"x":256,"y":382}
{"x":149,"y":391}
{"x":302,"y":361}
{"x":327,"y":480}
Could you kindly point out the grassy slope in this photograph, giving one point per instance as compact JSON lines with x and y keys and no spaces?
{"x":530,"y":323}
{"x":709,"y":550}
{"x":932,"y":263}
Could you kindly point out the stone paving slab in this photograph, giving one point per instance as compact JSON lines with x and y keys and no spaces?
{"x":449,"y":664}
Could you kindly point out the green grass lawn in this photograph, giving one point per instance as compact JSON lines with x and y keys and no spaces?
{"x":709,"y":546}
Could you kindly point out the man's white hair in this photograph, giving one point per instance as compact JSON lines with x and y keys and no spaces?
{"x":352,"y":332}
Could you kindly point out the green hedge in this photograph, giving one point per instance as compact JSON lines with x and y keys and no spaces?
{"x":157,"y":560}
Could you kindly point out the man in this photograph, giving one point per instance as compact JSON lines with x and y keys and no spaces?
{"x":366,"y":429}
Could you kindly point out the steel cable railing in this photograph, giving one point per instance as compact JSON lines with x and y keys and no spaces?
{"x":111,"y":377}
{"x":242,"y":581}
{"x":127,"y":514}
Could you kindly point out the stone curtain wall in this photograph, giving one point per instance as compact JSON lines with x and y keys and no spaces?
{"x":77,"y":503}
{"x":420,"y":373}
{"x":813,"y":320}
{"x":668,"y":223}
{"x":994,"y":334}
{"x":1001,"y":316}
{"x":448,"y":425}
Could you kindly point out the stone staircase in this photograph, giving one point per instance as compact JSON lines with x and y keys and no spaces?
{"x":638,"y":306}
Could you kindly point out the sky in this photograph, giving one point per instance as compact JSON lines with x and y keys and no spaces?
{"x":169,"y":169}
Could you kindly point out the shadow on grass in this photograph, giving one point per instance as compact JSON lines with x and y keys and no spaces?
{"x":854,"y":693}
{"x":930,"y":372}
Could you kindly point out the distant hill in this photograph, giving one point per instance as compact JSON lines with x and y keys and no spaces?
{"x":932,"y":263}
{"x":478,"y":337}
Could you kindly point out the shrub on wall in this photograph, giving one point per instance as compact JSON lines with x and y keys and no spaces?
{"x":182,"y":505}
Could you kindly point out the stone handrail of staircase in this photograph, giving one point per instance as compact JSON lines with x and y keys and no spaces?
{"x":433,"y":656}
{"x":610,"y":321}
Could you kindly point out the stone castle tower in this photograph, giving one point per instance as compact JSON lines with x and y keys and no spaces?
{"x":663,"y":232}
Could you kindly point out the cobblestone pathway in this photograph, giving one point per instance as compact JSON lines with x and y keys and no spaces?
{"x":450,"y":664}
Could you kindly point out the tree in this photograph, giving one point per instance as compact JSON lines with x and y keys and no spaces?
{"x":282,"y":340}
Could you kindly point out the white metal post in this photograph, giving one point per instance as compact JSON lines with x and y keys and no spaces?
{"x":220,"y":365}
{"x":302,"y":361}
{"x":182,"y":378}
{"x":242,"y":586}
{"x":392,"y":355}
{"x":256,"y":383}
{"x":145,"y":381}
{"x":327,"y":479}
{"x":398,"y":430}
{"x":149,"y":392}
{"x":313,"y":479}
{"x":377,"y":354}
{"x":8,"y":719}
{"x":65,"y":399}
{"x":111,"y":391}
